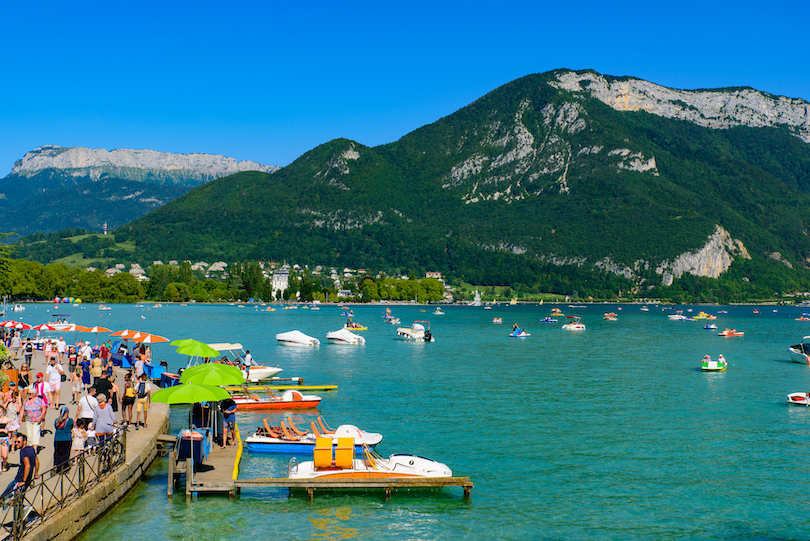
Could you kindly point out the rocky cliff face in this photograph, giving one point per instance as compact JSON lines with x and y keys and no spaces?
{"x":710,"y":108}
{"x":132,"y":164}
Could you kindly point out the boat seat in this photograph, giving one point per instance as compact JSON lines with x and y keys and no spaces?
{"x":295,"y":428}
{"x":344,"y":453}
{"x":325,"y":428}
{"x":315,"y":430}
{"x":287,"y":434}
{"x":322,"y":454}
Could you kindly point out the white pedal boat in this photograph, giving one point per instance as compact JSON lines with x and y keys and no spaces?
{"x":346,"y":337}
{"x":297,"y":338}
{"x":575,"y":325}
{"x":371,"y":466}
{"x":709,"y":365}
{"x":287,"y":438}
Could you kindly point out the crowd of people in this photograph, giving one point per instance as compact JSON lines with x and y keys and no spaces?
{"x":102,"y":407}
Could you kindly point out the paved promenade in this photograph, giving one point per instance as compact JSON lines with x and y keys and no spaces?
{"x":141,"y":450}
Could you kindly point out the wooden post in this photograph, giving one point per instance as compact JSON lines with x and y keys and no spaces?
{"x":310,"y":493}
{"x":467,"y":491}
{"x":171,"y":473}
{"x":189,"y":479}
{"x":388,"y":493}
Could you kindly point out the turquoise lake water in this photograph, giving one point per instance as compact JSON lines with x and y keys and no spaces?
{"x":612,"y":433}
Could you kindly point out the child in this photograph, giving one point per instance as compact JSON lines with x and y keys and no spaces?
{"x":76,"y":384}
{"x":90,"y":441}
{"x":78,"y":435}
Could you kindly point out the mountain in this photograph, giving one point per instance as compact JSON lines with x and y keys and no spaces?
{"x":555,"y":177}
{"x":140,"y":179}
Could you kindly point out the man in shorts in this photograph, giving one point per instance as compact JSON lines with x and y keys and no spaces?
{"x":143,"y":397}
{"x":228,"y":407}
{"x":61,"y":348}
{"x":53,"y":375}
{"x":29,"y":465}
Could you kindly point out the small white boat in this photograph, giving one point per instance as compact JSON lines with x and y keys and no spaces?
{"x":345,"y":336}
{"x":416,"y":333}
{"x":575,"y":325}
{"x":709,"y":365}
{"x":519,"y":333}
{"x":438,"y":312}
{"x":104,"y":307}
{"x":18,"y":308}
{"x":798,"y":399}
{"x":343,"y":464}
{"x":801,"y":352}
{"x":297,"y":338}
{"x":60,"y":322}
{"x":730,"y":332}
{"x":237,"y":354}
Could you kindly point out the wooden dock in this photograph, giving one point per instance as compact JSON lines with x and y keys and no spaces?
{"x":219,"y":475}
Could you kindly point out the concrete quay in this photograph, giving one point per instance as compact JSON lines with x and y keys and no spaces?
{"x":141,"y":449}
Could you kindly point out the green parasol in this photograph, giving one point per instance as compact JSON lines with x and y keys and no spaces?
{"x":198,"y":350}
{"x":213,"y":374}
{"x":190,"y":393}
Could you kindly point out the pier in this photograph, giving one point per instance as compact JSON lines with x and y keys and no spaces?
{"x":219,"y":475}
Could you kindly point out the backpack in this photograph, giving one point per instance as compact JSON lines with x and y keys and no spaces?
{"x":29,"y":347}
{"x":142,"y":389}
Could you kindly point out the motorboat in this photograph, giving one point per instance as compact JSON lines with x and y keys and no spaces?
{"x":519,"y":333}
{"x":644,"y":309}
{"x":548,"y":320}
{"x":710,"y":326}
{"x":575,"y":325}
{"x":611,"y":316}
{"x":678,"y":316}
{"x":730,"y":332}
{"x":799,"y":399}
{"x":347,"y":314}
{"x":709,"y":365}
{"x":343,"y":464}
{"x":290,"y":399}
{"x":353,"y":326}
{"x":237,"y":354}
{"x":60,"y":322}
{"x":297,"y":338}
{"x":801,"y":351}
{"x":288,"y":438}
{"x":417,"y":332}
{"x":345,"y":336}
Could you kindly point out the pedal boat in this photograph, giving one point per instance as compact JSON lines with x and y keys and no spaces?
{"x":801,"y":352}
{"x":290,"y":399}
{"x":611,"y":316}
{"x":709,"y":365}
{"x":730,"y":332}
{"x":519,"y":333}
{"x":288,"y":438}
{"x":355,"y":327}
{"x":297,"y":339}
{"x":798,"y":399}
{"x":345,"y":337}
{"x":344,"y":465}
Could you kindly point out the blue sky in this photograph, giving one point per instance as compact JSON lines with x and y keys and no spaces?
{"x":267,"y":81}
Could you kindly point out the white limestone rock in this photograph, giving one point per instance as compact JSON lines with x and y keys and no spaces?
{"x":710,"y":108}
{"x":713,"y":259}
{"x":132,"y":164}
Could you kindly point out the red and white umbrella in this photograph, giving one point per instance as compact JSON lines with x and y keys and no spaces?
{"x":43,"y":327}
{"x":146,"y":338}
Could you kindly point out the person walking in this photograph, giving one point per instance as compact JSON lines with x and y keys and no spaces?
{"x":76,"y":384}
{"x":34,"y":412}
{"x":105,"y":419}
{"x":61,"y":348}
{"x":228,"y":407}
{"x":88,"y":405}
{"x":128,"y":399}
{"x":16,"y":344}
{"x":62,"y":440}
{"x":24,"y":377}
{"x":54,"y":373}
{"x":143,"y":398}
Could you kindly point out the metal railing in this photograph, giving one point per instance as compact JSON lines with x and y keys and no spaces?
{"x":54,"y":490}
